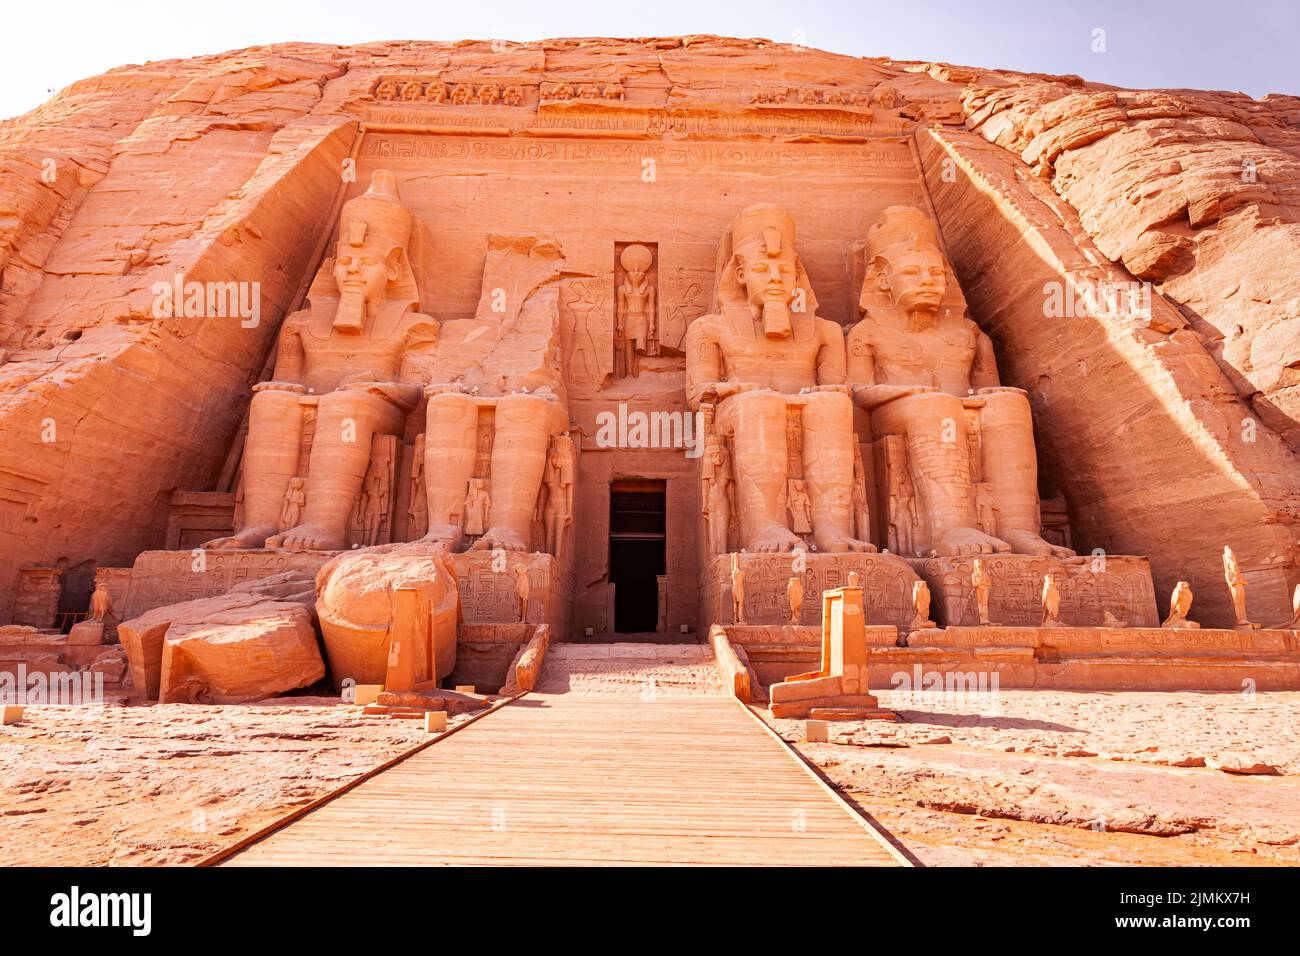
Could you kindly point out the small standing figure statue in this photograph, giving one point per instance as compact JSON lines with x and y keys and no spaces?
{"x":1237,"y":588}
{"x":521,"y":591}
{"x":557,"y":514}
{"x":717,"y":494}
{"x":980,"y":581}
{"x":800,"y":506}
{"x":373,"y":505}
{"x":737,"y":590}
{"x":861,"y":509}
{"x":101,"y":604}
{"x":794,"y":595}
{"x":921,"y":606}
{"x":478,"y":505}
{"x":295,"y":496}
{"x":635,"y":327}
{"x":1051,"y":602}
{"x":417,"y":513}
{"x":1180,"y":605}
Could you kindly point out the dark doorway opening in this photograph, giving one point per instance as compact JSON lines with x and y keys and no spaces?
{"x":637,"y":528}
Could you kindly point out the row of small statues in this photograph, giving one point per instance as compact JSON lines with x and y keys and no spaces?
{"x":1180,"y":602}
{"x":811,"y":96}
{"x":416,"y":91}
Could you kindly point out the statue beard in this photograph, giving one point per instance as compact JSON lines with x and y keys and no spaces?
{"x":351,"y":314}
{"x":921,"y":319}
{"x":776,"y":319}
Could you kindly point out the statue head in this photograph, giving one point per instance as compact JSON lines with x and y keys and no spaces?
{"x":905,"y":264}
{"x":762,"y":270}
{"x":636,"y":260}
{"x":374,"y":229}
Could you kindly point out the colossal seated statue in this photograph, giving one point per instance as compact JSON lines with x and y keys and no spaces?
{"x":762,"y":352}
{"x":343,"y":354}
{"x":927,"y":376}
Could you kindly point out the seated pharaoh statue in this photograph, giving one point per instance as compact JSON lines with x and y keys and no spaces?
{"x":958,"y":447}
{"x":762,"y":355}
{"x":341,"y":358}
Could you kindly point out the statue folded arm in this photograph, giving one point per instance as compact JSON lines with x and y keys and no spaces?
{"x":984,"y":371}
{"x":703,"y":362}
{"x":861,"y":364}
{"x":289,"y":355}
{"x":832,"y":366}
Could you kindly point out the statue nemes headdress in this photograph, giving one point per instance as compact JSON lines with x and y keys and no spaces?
{"x":764,"y":229}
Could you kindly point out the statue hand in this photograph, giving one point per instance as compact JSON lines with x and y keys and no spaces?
{"x":727,"y":389}
{"x":871,"y":396}
{"x":278,"y":386}
{"x":842,"y":389}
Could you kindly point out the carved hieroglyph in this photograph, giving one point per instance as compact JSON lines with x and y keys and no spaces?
{"x":344,"y":355}
{"x":927,"y":376}
{"x":762,"y":352}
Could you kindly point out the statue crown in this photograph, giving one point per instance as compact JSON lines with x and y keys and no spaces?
{"x":377,"y":215}
{"x":897,"y":226}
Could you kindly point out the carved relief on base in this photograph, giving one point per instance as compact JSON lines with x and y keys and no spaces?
{"x":1087,"y":593}
{"x":886,"y":583}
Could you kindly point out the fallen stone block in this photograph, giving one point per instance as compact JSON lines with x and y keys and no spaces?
{"x":234,"y":648}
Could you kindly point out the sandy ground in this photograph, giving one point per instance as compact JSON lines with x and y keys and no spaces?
{"x":1027,"y":777}
{"x":112,"y":785}
{"x":1051,"y":778}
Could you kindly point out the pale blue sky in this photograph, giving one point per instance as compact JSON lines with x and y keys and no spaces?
{"x":1252,"y":46}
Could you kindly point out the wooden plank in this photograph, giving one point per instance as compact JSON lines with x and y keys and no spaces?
{"x":588,"y":780}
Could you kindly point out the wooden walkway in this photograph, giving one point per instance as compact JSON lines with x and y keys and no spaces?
{"x":571,"y":780}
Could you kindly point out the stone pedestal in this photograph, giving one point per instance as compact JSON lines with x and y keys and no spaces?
{"x":159,"y":578}
{"x":886,"y":583}
{"x":839,"y":689}
{"x":1090,"y":587}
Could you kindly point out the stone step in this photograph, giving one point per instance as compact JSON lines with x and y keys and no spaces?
{"x":630,"y":670}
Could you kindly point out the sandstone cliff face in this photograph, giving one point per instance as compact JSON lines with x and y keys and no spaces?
{"x":230,"y":168}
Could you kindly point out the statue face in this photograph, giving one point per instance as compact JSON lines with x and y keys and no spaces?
{"x":916,"y":278}
{"x":768,"y":278}
{"x":364,"y":270}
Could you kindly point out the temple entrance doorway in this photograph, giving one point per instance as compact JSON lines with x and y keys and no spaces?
{"x":637,"y":530}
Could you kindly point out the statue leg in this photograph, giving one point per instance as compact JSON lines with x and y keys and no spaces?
{"x":346,"y":423}
{"x":450,"y":450}
{"x":755,"y":422}
{"x":934,"y":424}
{"x":524,"y":426}
{"x":828,"y":470}
{"x":270,"y":460}
{"x":1011,"y":468}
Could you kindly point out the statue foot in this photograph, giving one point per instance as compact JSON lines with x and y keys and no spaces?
{"x":507,"y":539}
{"x":307,"y":537}
{"x":970,"y":541}
{"x":1025,"y":542}
{"x":248,"y":538}
{"x":775,"y":538}
{"x":839,"y":542}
